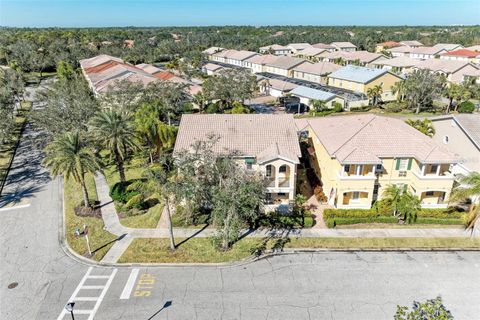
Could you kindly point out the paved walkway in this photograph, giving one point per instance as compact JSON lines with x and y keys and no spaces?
{"x":126,"y":235}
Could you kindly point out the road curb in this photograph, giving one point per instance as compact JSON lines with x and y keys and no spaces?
{"x":248,"y":260}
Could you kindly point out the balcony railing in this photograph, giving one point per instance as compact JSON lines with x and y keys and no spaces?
{"x":447,"y":175}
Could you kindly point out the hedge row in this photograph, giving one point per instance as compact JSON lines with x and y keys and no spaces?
{"x":368,"y":213}
{"x":332,"y":222}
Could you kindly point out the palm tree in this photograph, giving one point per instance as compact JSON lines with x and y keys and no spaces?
{"x":469,"y":188}
{"x":114,"y":131}
{"x":392,"y":196}
{"x":425,"y":126}
{"x":409,"y":205}
{"x":69,"y":156}
{"x":374,"y":94}
{"x":399,"y":89}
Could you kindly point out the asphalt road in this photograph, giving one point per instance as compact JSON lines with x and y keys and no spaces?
{"x":330,"y":285}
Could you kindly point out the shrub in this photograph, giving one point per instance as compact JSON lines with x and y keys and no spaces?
{"x":393,"y":107}
{"x":438,"y":221}
{"x":120,"y":192}
{"x":212,"y":108}
{"x":337,"y":107}
{"x":466,"y":107}
{"x":137,"y":201}
{"x":440,"y":214}
{"x":331,"y":222}
{"x":349,"y":213}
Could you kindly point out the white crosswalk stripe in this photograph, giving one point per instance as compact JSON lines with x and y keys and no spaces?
{"x":89,"y":288}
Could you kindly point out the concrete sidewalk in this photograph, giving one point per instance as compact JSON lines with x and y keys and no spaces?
{"x":113,"y":225}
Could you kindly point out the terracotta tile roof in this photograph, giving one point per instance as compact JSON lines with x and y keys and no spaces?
{"x":264,"y":136}
{"x":368,"y":138}
{"x":323,"y":46}
{"x":319,"y":68}
{"x":98,"y":60}
{"x":262,"y":59}
{"x":344,"y":44}
{"x":165,"y":75}
{"x":286,"y":63}
{"x":446,"y":66}
{"x":148,"y":68}
{"x":389,"y":44}
{"x":474,"y":48}
{"x":399,"y":62}
{"x":102,"y":67}
{"x":462,"y":53}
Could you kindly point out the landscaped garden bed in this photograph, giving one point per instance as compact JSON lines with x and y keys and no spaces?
{"x":204,"y":250}
{"x":338,"y":217}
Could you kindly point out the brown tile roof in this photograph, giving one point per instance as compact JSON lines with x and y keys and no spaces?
{"x":389,"y":44}
{"x":411,"y":43}
{"x":344,"y":44}
{"x":102,"y":67}
{"x":319,"y":68}
{"x":470,"y":124}
{"x":368,"y":138}
{"x":98,"y":60}
{"x":264,"y":136}
{"x":462,"y":53}
{"x":446,"y":66}
{"x":427,"y":50}
{"x":262,"y":59}
{"x":311,"y":52}
{"x":286,"y":63}
{"x":165,"y":75}
{"x":323,"y":46}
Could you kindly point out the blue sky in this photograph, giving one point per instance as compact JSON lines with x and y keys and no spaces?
{"x":101,"y":13}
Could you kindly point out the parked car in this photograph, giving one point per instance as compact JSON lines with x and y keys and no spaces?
{"x":296,"y":108}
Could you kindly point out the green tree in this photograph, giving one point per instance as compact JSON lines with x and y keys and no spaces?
{"x":114,"y":131}
{"x":431,"y":309}
{"x":469,"y":188}
{"x":65,"y":71}
{"x":375,"y":94}
{"x":392,"y":196}
{"x":408,"y":206}
{"x":421,"y":88}
{"x":69,"y":155}
{"x":11,"y":94}
{"x":425,"y":126}
{"x":318,"y":105}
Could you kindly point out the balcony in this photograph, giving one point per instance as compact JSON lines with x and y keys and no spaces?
{"x":344,"y":176}
{"x":357,"y":172}
{"x":434,"y":172}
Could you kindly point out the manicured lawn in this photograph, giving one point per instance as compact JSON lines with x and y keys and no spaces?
{"x":97,"y":236}
{"x":147,"y":220}
{"x":7,"y":149}
{"x":133,"y":170}
{"x":202,"y":250}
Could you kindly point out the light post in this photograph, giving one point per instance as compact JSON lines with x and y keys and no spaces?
{"x":84,"y":233}
{"x":69,"y":308}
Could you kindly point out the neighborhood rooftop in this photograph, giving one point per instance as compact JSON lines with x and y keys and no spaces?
{"x":357,"y":74}
{"x":312,"y":93}
{"x":248,"y":135}
{"x":369,"y":138}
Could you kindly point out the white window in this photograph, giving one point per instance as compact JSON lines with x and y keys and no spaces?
{"x":403,"y":165}
{"x":355,"y":196}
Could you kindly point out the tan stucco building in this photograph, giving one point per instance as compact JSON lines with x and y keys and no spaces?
{"x":358,"y":156}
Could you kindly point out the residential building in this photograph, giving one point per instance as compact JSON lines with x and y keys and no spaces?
{"x":211,"y":51}
{"x":386,"y":45}
{"x":237,"y":58}
{"x":460,"y":133}
{"x":403,"y":51}
{"x":275,"y":49}
{"x":448,"y":46}
{"x":315,"y":72}
{"x":284,"y":66}
{"x":297,"y":47}
{"x":399,"y":65}
{"x":474,"y":48}
{"x":103,"y":73}
{"x":257,"y":63}
{"x":454,"y":71}
{"x":411,"y":43}
{"x":311,"y":54}
{"x":275,"y":87}
{"x":462,"y":55}
{"x":344,"y":46}
{"x":360,"y":79}
{"x":264,"y":143}
{"x":363,"y":58}
{"x":221,"y":56}
{"x":426,"y":53}
{"x":308,"y":96}
{"x":211,"y":68}
{"x":324,"y":46}
{"x":358,"y":156}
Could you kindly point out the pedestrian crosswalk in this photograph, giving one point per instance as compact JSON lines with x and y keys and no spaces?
{"x":89,"y":295}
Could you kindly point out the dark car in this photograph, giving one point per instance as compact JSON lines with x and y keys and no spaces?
{"x":296,"y":108}
{"x":288,"y":100}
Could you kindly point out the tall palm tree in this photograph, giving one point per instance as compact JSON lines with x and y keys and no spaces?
{"x":409,"y":205}
{"x":392,"y":195}
{"x":399,"y":89}
{"x":68,"y":155}
{"x":374,"y":94}
{"x":115,"y":132}
{"x":469,"y":188}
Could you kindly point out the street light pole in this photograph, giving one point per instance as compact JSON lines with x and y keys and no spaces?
{"x":69,"y":307}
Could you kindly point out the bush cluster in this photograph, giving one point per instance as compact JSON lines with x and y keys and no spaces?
{"x":466,"y":107}
{"x":120,"y":192}
{"x":335,"y":217}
